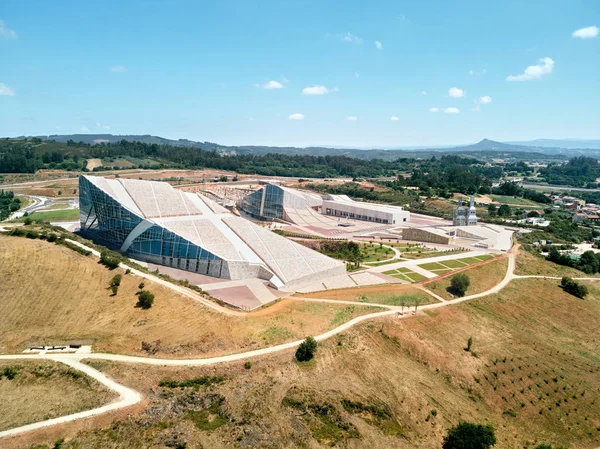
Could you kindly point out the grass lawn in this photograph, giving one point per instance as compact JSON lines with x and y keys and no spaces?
{"x":405,"y":274}
{"x":504,"y":199}
{"x":432,"y":266}
{"x":453,"y":263}
{"x":485,"y":257}
{"x":375,"y":253}
{"x":482,"y":278}
{"x":470,"y":260}
{"x":385,"y":262}
{"x":415,"y":277}
{"x":54,"y":215}
{"x":440,"y":272}
{"x":376,"y":294}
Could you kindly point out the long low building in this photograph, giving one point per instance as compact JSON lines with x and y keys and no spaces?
{"x":345,"y":207}
{"x":154,"y":222}
{"x":278,"y":202}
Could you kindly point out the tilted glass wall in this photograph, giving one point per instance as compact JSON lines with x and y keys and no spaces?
{"x":161,"y":242}
{"x":272,"y":207}
{"x":102,"y":217}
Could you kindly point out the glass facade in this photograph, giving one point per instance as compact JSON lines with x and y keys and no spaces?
{"x":102,"y":217}
{"x":104,"y":220}
{"x":272,"y":207}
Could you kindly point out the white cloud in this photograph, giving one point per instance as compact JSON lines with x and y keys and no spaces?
{"x":379,"y":45}
{"x":586,"y":33}
{"x":84,"y":129}
{"x":478,"y":72}
{"x":285,"y":80}
{"x":251,"y":119}
{"x":6,"y":32}
{"x":352,"y":118}
{"x":5,"y":90}
{"x":455,"y":92}
{"x":393,"y":118}
{"x":434,"y":109}
{"x":534,"y":72}
{"x":451,"y":110}
{"x":423,"y":93}
{"x":349,"y":37}
{"x":101,"y":126}
{"x":296,"y":117}
{"x":315,"y":90}
{"x":270,"y":85}
{"x":476,"y":108}
{"x":118,"y":68}
{"x":485,"y":99}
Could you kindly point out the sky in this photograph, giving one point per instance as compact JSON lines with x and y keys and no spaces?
{"x":352,"y":73}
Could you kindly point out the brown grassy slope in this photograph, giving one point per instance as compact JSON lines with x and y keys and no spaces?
{"x":536,"y":347}
{"x":44,"y":390}
{"x":380,"y":294}
{"x":50,"y":293}
{"x":481,"y":278}
{"x":528,"y":264}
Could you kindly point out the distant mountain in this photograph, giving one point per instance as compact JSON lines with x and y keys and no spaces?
{"x":485,"y":149}
{"x":561,"y":143}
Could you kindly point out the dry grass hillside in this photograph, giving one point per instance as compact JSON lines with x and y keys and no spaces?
{"x":533,"y":374}
{"x":481,"y":278}
{"x":51,"y":294}
{"x":528,"y":264}
{"x":32,"y":391}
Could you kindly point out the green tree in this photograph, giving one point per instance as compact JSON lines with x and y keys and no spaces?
{"x":504,"y":210}
{"x":573,"y":288}
{"x":492,"y":210}
{"x":469,"y":344}
{"x":145,"y":299}
{"x":306,"y":350}
{"x":52,"y":237}
{"x":459,"y":283}
{"x":469,"y":436}
{"x":115,"y":289}
{"x":110,"y":261}
{"x":27,"y":221}
{"x":116,"y":280}
{"x":141,"y":286}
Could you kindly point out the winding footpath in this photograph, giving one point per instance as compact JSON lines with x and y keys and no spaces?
{"x":128,"y":397}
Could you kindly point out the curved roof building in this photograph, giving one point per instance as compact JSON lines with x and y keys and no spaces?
{"x":155,"y":222}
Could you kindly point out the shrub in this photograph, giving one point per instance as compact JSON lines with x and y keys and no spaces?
{"x":27,"y":221}
{"x":17,"y":232}
{"x":459,"y":284}
{"x":573,"y":288}
{"x":306,"y":350}
{"x":141,"y":286}
{"x":52,"y":237}
{"x":128,"y":271}
{"x":145,"y":299}
{"x":115,"y":289}
{"x":116,"y":280}
{"x":248,"y":365}
{"x":472,"y":436}
{"x":31,"y":234}
{"x":108,"y":260}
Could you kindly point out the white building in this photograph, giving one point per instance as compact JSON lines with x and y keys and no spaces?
{"x":344,"y":207}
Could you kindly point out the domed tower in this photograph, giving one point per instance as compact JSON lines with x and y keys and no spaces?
{"x":472,"y":217}
{"x":459,"y":214}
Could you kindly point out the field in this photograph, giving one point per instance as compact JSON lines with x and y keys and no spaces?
{"x":391,"y":384}
{"x":42,"y":390}
{"x":510,"y":200}
{"x":405,"y":274}
{"x":379,"y":294}
{"x":53,"y":215}
{"x":93,"y":163}
{"x":482,"y":278}
{"x":52,"y":294}
{"x":528,"y":264}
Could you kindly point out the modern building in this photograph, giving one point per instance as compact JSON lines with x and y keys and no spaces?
{"x":279,"y":202}
{"x":274,"y":201}
{"x":154,"y":222}
{"x":344,"y":207}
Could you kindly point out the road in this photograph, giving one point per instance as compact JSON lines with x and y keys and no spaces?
{"x":128,"y":397}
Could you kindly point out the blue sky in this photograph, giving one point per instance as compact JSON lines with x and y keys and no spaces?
{"x":201,"y":70}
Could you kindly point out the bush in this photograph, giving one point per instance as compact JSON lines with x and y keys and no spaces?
{"x":248,"y":365}
{"x":573,"y":288}
{"x":27,"y":221}
{"x":52,"y":237}
{"x":115,"y":289}
{"x":306,"y":350}
{"x":116,"y":280}
{"x":108,"y":260}
{"x":31,"y":234}
{"x":459,"y":284}
{"x":141,"y":286}
{"x":469,"y":436}
{"x":145,"y":299}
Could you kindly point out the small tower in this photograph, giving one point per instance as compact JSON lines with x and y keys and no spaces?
{"x":472,"y":217}
{"x":459,"y":214}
